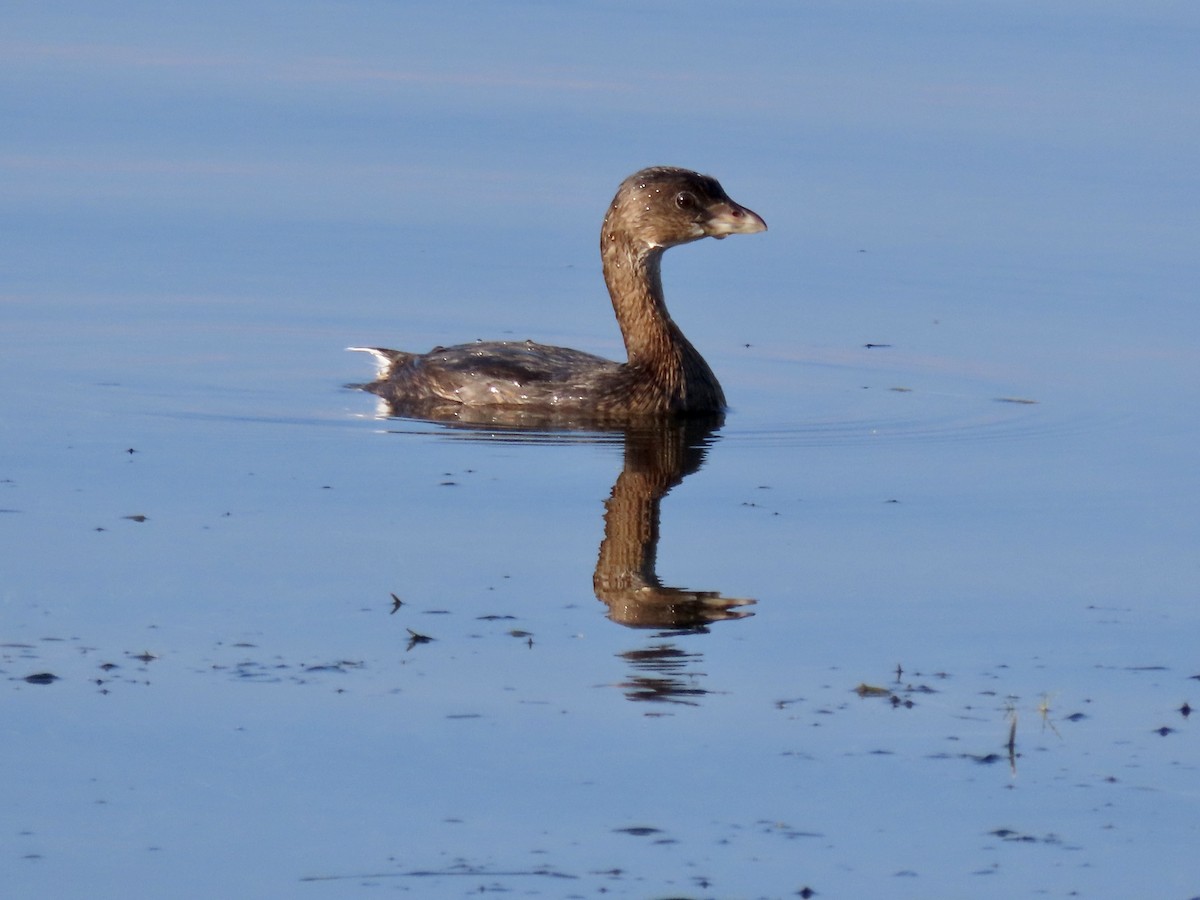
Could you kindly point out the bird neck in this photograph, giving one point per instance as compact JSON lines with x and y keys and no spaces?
{"x":655,"y":346}
{"x":633,"y":275}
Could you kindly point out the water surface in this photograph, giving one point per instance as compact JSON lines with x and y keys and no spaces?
{"x":970,"y":659}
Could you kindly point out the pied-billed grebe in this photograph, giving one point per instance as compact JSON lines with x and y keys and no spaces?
{"x":654,"y":209}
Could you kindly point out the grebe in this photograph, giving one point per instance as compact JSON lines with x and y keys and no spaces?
{"x":653,"y":210}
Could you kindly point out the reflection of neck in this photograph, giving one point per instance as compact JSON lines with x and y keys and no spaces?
{"x":656,"y":460}
{"x":655,"y":346}
{"x":629,"y":550}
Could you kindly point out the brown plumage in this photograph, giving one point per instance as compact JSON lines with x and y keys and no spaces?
{"x":653,"y":210}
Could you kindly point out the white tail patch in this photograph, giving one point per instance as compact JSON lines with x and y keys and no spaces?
{"x":383,"y":360}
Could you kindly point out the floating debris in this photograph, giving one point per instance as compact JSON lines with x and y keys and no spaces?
{"x":461,"y":869}
{"x":42,"y":678}
{"x":870,"y":690}
{"x":984,"y":759}
{"x":340,"y":666}
{"x":414,"y":638}
{"x":1007,"y":834}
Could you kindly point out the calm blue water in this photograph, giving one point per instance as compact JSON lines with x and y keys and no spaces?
{"x":993,"y":518}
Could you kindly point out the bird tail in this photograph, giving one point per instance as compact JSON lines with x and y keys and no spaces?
{"x":385,"y":360}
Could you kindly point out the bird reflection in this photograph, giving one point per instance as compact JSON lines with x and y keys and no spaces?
{"x":656,"y":459}
{"x":658,"y":455}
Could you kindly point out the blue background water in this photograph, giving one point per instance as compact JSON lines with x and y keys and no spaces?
{"x":201,"y":205}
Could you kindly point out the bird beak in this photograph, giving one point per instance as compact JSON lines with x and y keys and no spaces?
{"x":726,"y":217}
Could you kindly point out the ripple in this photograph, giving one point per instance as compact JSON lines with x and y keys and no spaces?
{"x":843,"y":400}
{"x":936,"y":420}
{"x":906,"y":417}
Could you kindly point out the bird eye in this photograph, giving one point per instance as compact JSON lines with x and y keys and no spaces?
{"x":685,"y":200}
